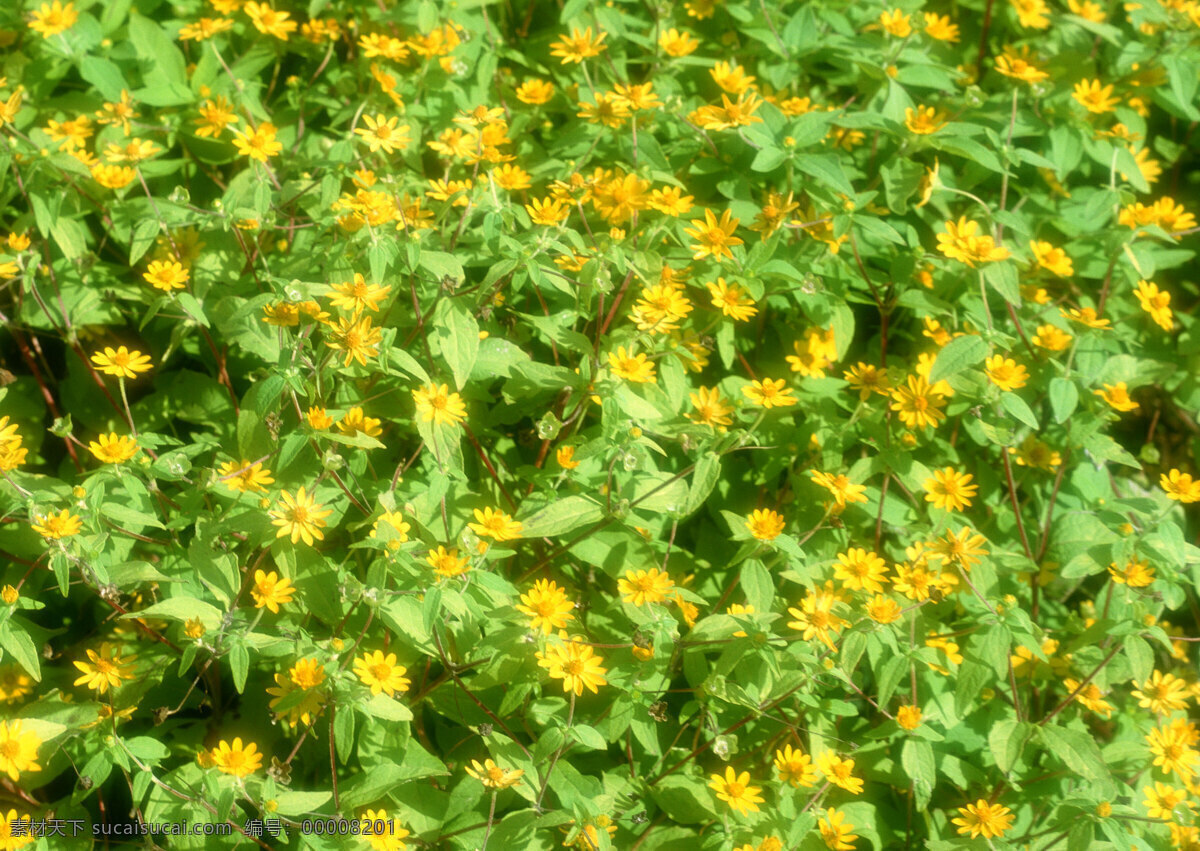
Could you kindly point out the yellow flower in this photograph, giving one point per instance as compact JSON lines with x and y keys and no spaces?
{"x":268,"y":21}
{"x":548,"y":211}
{"x":18,"y":750}
{"x":547,"y":606}
{"x":204,"y":29}
{"x":795,"y":767}
{"x":867,"y":379}
{"x":1155,"y":302}
{"x":962,"y":242}
{"x":1035,"y":453}
{"x":713,"y":236}
{"x":640,"y":587}
{"x":840,"y":772}
{"x":535,"y":91}
{"x":236,"y":759}
{"x":1172,"y":748}
{"x":358,"y":295}
{"x":495,"y":525}
{"x":244,"y":476}
{"x":10,"y":595}
{"x":676,"y":44}
{"x":436,"y":404}
{"x":258,"y":143}
{"x":764,"y":524}
{"x":56,"y":526}
{"x":357,"y":338}
{"x":883,"y":610}
{"x":381,"y":673}
{"x":631,"y":367}
{"x":1088,"y":10}
{"x":493,"y":776}
{"x":270,"y":591}
{"x":918,"y":406}
{"x":940,"y":27}
{"x":105,"y":669}
{"x":732,"y":299}
{"x":391,"y":838}
{"x":950,"y":489}
{"x":1020,"y":65}
{"x":1162,"y":802}
{"x":50,"y":19}
{"x":815,"y":617}
{"x":1051,"y":338}
{"x":578,"y":46}
{"x":924,"y":121}
{"x":384,"y":134}
{"x":909,"y":717}
{"x":983,"y":819}
{"x":121,"y":362}
{"x":1006,"y":373}
{"x":1180,"y":486}
{"x":896,"y":23}
{"x":735,"y":790}
{"x":318,"y":419}
{"x":840,"y":488}
{"x":769,"y":393}
{"x":166,"y":275}
{"x":565,"y":456}
{"x":395,"y":520}
{"x":1117,"y":397}
{"x":114,"y":448}
{"x":356,"y":422}
{"x":1090,"y":697}
{"x":860,"y":570}
{"x":576,"y":664}
{"x":215,"y":116}
{"x":194,"y":628}
{"x":1094,"y":97}
{"x":300,"y":516}
{"x":1032,"y":13}
{"x":836,"y":832}
{"x":14,"y":684}
{"x":1054,"y":260}
{"x":1162,"y":694}
{"x":709,"y":408}
{"x":447,"y":564}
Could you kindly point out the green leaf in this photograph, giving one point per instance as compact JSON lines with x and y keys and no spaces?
{"x":1141,"y":657}
{"x":1077,"y":749}
{"x":959,"y":354}
{"x":684,"y":798}
{"x":1006,"y":740}
{"x":182,"y":609}
{"x":826,"y":169}
{"x":155,"y":47}
{"x":1017,"y":406}
{"x":1002,"y":277}
{"x":561,"y":516}
{"x":1106,"y":449}
{"x":239,"y":665}
{"x":1064,"y":396}
{"x":757,"y":585}
{"x":386,"y":708}
{"x":916,"y":757}
{"x":459,"y":336}
{"x":17,"y":644}
{"x":704,"y":479}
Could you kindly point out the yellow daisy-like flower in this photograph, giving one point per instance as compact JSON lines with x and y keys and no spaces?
{"x":769,"y":393}
{"x":908,"y":717}
{"x":18,"y":750}
{"x":16,"y":831}
{"x":1117,"y":397}
{"x":50,"y":19}
{"x":576,"y":664}
{"x":270,"y":591}
{"x":495,"y":525}
{"x":1006,"y":373}
{"x":860,"y":570}
{"x":299,"y":516}
{"x":245,"y":476}
{"x":547,"y":606}
{"x":732,"y":299}
{"x":924,"y":120}
{"x":104,"y":670}
{"x":1180,"y":486}
{"x":437,"y":405}
{"x":840,"y":772}
{"x":1094,"y":97}
{"x":113,"y":448}
{"x":765,"y":524}
{"x":166,"y":275}
{"x":54,"y":527}
{"x":949,"y":489}
{"x":918,"y":406}
{"x":236,"y":759}
{"x":736,"y":791}
{"x":447,"y":564}
{"x":640,"y":587}
{"x":710,"y":408}
{"x":840,"y":488}
{"x":630,"y":366}
{"x":381,"y":673}
{"x":258,"y":143}
{"x":384,"y":134}
{"x":983,"y":819}
{"x":836,"y":832}
{"x":493,"y":776}
{"x":714,"y":237}
{"x":121,"y":362}
{"x":795,"y":767}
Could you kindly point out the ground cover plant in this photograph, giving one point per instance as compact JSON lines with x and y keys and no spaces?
{"x":724,"y":424}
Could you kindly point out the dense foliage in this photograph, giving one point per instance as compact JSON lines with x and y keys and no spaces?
{"x":727,"y":424}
